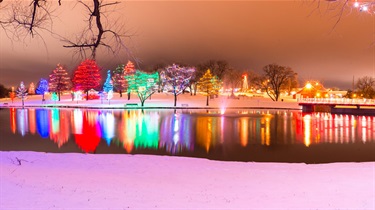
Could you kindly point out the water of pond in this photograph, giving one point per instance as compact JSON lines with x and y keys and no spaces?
{"x":233,"y":135}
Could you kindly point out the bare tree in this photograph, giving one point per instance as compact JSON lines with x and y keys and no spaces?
{"x":273,"y":80}
{"x":366,"y":87}
{"x":19,"y":20}
{"x":341,"y":8}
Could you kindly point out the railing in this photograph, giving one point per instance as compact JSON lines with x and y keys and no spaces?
{"x":341,"y":101}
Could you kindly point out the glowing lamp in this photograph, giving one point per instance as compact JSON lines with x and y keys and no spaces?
{"x":356,"y":4}
{"x":308,"y":86}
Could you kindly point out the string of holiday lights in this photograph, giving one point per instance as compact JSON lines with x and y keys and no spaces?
{"x":364,"y":6}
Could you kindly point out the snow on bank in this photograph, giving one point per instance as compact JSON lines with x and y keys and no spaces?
{"x":158,"y":100}
{"x":86,"y":181}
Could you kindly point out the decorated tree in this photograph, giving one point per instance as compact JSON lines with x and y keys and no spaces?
{"x":12,"y":94}
{"x":86,"y":77}
{"x":275,"y":79}
{"x":208,"y":84}
{"x":118,"y":78}
{"x":108,"y":85}
{"x":129,"y":70}
{"x":54,"y":97}
{"x":217,"y":84}
{"x":59,"y":80}
{"x":177,"y":79}
{"x":143,"y":84}
{"x":31,"y":90}
{"x":21,"y":92}
{"x":42,"y":87}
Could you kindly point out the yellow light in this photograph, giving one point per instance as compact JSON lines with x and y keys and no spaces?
{"x":308,"y":86}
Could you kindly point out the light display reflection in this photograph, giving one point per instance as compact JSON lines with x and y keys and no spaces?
{"x":175,"y":133}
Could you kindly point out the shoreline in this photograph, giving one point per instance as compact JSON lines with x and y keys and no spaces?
{"x":158,"y":101}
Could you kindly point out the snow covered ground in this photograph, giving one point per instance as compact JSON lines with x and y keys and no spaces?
{"x":31,"y":180}
{"x":159,"y":100}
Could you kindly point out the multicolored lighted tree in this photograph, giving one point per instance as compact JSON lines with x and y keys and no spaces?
{"x":42,"y":87}
{"x":177,"y":78}
{"x":86,"y":77}
{"x":59,"y":80}
{"x":143,"y":84}
{"x":129,"y":70}
{"x":31,"y":90}
{"x":22,"y":93}
{"x":209,"y":84}
{"x":118,"y":78}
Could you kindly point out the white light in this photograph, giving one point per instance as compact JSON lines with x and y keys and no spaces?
{"x":364,"y":8}
{"x":356,"y":4}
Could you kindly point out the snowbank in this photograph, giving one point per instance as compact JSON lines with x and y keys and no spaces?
{"x":158,"y":100}
{"x":31,"y":180}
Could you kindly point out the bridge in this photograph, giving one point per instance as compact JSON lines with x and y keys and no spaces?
{"x":338,"y":105}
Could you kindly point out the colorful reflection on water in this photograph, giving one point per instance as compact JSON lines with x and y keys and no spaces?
{"x":182,"y":131}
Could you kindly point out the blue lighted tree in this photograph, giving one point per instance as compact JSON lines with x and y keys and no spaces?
{"x":42,"y":87}
{"x":108,"y":85}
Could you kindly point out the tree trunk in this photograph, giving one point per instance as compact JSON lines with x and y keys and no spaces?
{"x":175,"y":99}
{"x":59,"y":94}
{"x":208,"y":95}
{"x":120,"y":93}
{"x":128,"y":95}
{"x":87,"y":95}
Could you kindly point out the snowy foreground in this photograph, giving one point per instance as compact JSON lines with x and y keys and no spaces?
{"x":31,"y":180}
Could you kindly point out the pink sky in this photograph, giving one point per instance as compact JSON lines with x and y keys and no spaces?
{"x":248,"y":34}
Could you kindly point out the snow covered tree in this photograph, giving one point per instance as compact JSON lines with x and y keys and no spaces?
{"x":31,"y":90}
{"x":86,"y":77}
{"x":177,"y":78}
{"x":143,"y":84}
{"x":42,"y":87}
{"x":118,"y":78}
{"x":22,"y":92}
{"x":207,"y":84}
{"x":108,"y":85}
{"x":59,"y":80}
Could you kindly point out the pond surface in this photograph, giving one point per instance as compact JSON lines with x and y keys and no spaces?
{"x":233,"y":135}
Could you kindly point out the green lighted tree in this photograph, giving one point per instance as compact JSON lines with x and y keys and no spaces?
{"x":143,"y":84}
{"x":208,"y":84}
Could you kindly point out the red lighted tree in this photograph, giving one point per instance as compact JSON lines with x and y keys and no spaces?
{"x":129,"y":70}
{"x":59,"y":80}
{"x":86,"y":77}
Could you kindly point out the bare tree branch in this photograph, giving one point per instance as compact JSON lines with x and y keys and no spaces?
{"x":98,"y":31}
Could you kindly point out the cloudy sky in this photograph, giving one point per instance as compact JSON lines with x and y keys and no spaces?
{"x":248,"y":34}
